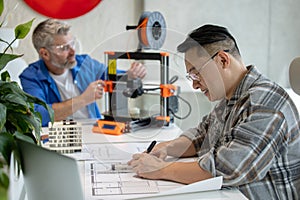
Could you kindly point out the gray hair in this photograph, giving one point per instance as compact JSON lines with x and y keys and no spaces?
{"x":45,"y":31}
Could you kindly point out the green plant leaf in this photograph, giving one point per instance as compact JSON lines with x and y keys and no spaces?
{"x":37,"y":128}
{"x":6,"y":145}
{"x":1,"y":7}
{"x":2,"y":115}
{"x":18,"y":119}
{"x":24,"y":137}
{"x":11,"y":95}
{"x":17,"y":101}
{"x":33,"y":99}
{"x":10,"y":87}
{"x":5,"y":76}
{"x":23,"y":29}
{"x":24,"y":123}
{"x":4,"y":180}
{"x":5,"y":58}
{"x":16,"y":151}
{"x":12,"y":101}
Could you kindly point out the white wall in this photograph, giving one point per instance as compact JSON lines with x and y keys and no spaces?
{"x":107,"y":19}
{"x":267,"y":33}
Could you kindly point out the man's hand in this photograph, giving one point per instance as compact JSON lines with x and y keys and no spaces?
{"x":147,"y":166}
{"x":150,"y":167}
{"x":93,"y":92}
{"x":137,"y":70}
{"x":66,"y":108}
{"x":160,"y":150}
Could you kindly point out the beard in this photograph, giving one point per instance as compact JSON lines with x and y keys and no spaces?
{"x":65,"y":65}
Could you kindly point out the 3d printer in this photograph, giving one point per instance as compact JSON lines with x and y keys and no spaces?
{"x":151,"y":32}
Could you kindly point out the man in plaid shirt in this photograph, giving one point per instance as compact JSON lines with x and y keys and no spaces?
{"x":251,"y":137}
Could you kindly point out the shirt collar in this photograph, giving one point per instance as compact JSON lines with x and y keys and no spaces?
{"x":251,"y":76}
{"x":44,"y":74}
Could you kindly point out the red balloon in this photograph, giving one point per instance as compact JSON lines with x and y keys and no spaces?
{"x":62,"y":9}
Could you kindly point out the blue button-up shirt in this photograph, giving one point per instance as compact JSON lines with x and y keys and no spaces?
{"x":36,"y":80}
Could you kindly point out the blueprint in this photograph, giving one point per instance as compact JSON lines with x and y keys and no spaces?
{"x":108,"y":176}
{"x":106,"y":183}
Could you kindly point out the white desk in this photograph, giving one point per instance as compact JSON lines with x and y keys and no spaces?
{"x":209,"y":195}
{"x":142,"y":136}
{"x":146,"y":135}
{"x":159,"y":134}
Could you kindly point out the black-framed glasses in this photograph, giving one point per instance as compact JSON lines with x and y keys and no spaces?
{"x":195,"y":76}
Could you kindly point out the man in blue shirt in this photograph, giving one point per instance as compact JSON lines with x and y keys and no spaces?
{"x":67,"y":82}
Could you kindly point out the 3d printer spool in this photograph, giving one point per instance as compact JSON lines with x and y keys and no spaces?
{"x":151,"y":30}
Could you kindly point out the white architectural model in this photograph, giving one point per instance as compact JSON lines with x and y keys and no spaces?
{"x":65,"y":136}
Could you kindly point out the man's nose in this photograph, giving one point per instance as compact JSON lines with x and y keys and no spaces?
{"x":72,"y":50}
{"x":196,"y":84}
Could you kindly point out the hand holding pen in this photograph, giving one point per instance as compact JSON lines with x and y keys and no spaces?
{"x":151,"y":146}
{"x":146,"y":165}
{"x":159,"y":150}
{"x":124,"y":167}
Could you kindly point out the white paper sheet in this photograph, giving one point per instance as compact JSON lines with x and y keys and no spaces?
{"x":205,"y":185}
{"x":115,"y":151}
{"x":101,"y":182}
{"x":104,"y":182}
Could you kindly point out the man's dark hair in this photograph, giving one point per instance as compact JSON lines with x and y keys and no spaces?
{"x":212,"y":38}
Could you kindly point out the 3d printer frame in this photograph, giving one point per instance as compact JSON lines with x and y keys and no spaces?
{"x":166,"y":90}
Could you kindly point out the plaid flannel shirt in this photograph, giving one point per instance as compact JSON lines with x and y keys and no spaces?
{"x":252,"y":140}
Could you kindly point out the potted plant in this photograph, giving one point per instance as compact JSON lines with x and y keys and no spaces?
{"x":18,"y":118}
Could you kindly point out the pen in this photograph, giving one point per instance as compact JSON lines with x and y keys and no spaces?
{"x":149,"y":149}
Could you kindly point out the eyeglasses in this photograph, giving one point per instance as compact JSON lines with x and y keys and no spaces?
{"x":195,"y":76}
{"x":64,"y":47}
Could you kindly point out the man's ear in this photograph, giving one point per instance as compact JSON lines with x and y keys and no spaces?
{"x":224,"y":59}
{"x":44,"y":54}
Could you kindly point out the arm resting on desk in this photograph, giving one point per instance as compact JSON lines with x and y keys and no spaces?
{"x":179,"y":147}
{"x":151,"y":167}
{"x":185,"y":172}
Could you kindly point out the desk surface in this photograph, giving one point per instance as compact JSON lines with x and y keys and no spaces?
{"x":223,"y":194}
{"x":146,"y":136}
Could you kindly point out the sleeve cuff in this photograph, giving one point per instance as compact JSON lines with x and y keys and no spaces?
{"x":207,"y":162}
